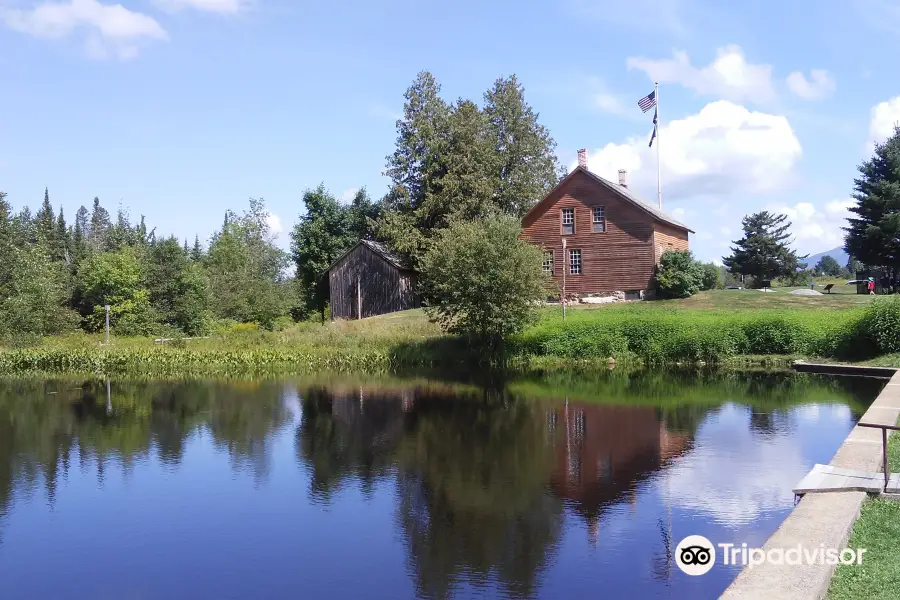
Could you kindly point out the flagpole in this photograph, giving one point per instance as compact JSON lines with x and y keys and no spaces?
{"x":658,"y":168}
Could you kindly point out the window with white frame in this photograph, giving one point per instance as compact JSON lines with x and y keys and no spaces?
{"x":568,"y":220}
{"x":575,"y":262}
{"x":598,"y":216}
{"x":548,"y":263}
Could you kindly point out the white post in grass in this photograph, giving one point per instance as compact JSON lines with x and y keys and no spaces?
{"x":107,"y":324}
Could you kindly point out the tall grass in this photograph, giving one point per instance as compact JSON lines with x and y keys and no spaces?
{"x":641,"y":333}
{"x":655,"y":337}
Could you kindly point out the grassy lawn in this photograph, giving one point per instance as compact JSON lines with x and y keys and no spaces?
{"x":714,"y":327}
{"x":878,"y":531}
{"x":779,"y":298}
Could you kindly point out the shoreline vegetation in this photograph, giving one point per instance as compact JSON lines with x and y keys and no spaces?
{"x":718,"y":328}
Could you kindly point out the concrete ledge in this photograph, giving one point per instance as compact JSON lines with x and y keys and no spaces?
{"x":819,"y":519}
{"x":827,"y":369}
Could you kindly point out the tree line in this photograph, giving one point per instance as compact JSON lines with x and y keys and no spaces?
{"x":452,"y":162}
{"x":872,"y":234}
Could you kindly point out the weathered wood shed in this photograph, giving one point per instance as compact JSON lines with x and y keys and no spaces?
{"x":370,"y":280}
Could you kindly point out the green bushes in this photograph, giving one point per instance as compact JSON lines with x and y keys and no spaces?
{"x":691,"y":336}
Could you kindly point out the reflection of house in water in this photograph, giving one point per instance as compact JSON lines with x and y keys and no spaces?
{"x":604,"y":451}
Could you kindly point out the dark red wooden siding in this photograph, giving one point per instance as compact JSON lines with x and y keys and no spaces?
{"x":622,"y":259}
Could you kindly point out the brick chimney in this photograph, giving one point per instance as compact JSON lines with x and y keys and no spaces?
{"x":582,"y":158}
{"x":623,"y":178}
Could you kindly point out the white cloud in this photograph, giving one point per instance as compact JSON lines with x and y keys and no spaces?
{"x":678,"y":213}
{"x":723,"y":149}
{"x":274,"y":223}
{"x":111,"y":29}
{"x":884,"y":116}
{"x":348,"y":195}
{"x":725,"y":231}
{"x":215,"y":6}
{"x":820,"y":84}
{"x":729,"y":76}
{"x":737,"y":482}
{"x":816,"y":229}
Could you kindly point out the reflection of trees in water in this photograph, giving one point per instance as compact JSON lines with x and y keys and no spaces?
{"x":472,"y":479}
{"x":347,"y":437}
{"x":46,"y":426}
{"x":473,"y":498}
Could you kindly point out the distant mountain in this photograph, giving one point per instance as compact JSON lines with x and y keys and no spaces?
{"x":837,"y":254}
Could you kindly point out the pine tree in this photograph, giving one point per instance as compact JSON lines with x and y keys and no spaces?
{"x":7,"y":244}
{"x":62,"y":242}
{"x":100,"y":225}
{"x":763,"y":252}
{"x":45,"y":221}
{"x":197,"y":251}
{"x":468,"y":187}
{"x":873,"y":235}
{"x":528,"y":167}
{"x":80,"y":234}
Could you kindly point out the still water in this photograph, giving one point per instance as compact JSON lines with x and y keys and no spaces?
{"x":555,"y":487}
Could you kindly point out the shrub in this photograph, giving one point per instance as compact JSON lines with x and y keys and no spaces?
{"x":678,"y":275}
{"x":480,"y":280}
{"x":880,"y":325}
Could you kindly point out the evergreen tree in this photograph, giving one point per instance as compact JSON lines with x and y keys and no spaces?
{"x":80,"y":233}
{"x":873,"y":235}
{"x":763,"y":252}
{"x":468,"y":187}
{"x":362,"y":215}
{"x":62,"y":243}
{"x":415,"y":168}
{"x":99,"y":227}
{"x":45,"y":222}
{"x":24,"y":230}
{"x":528,"y":167}
{"x":178,"y":288}
{"x":197,"y":251}
{"x":7,"y":244}
{"x":827,"y":265}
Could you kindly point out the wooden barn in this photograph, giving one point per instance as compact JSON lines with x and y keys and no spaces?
{"x":613,"y":239}
{"x":370,"y":280}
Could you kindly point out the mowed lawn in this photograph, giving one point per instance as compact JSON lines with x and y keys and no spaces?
{"x":842,"y":296}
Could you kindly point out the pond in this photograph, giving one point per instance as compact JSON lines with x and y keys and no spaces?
{"x":561,"y":486}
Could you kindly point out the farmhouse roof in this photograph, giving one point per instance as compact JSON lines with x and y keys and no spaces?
{"x":620,"y":190}
{"x":392,"y":258}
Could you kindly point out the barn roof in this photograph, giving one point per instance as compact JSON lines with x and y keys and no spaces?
{"x":621,"y":191}
{"x":392,"y":258}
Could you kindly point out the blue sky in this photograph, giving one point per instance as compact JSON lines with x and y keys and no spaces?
{"x":180,"y":109}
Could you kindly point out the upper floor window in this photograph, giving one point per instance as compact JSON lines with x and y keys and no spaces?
{"x":598,"y":216}
{"x":575,"y":262}
{"x":548,"y":263}
{"x":568,"y":220}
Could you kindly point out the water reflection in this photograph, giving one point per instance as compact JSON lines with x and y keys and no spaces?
{"x":528,"y":491}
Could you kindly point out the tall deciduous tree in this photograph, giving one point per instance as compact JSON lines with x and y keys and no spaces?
{"x":246,"y":268}
{"x":528,"y":167}
{"x":362,"y":214}
{"x":873,"y":235}
{"x":763,"y":252}
{"x":317,"y":240}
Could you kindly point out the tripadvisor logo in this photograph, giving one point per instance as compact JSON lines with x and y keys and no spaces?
{"x":696,"y":555}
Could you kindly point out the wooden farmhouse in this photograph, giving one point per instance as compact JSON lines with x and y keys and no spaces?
{"x":369,"y":280}
{"x":613,"y":240}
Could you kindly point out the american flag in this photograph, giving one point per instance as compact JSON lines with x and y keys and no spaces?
{"x":648,"y":101}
